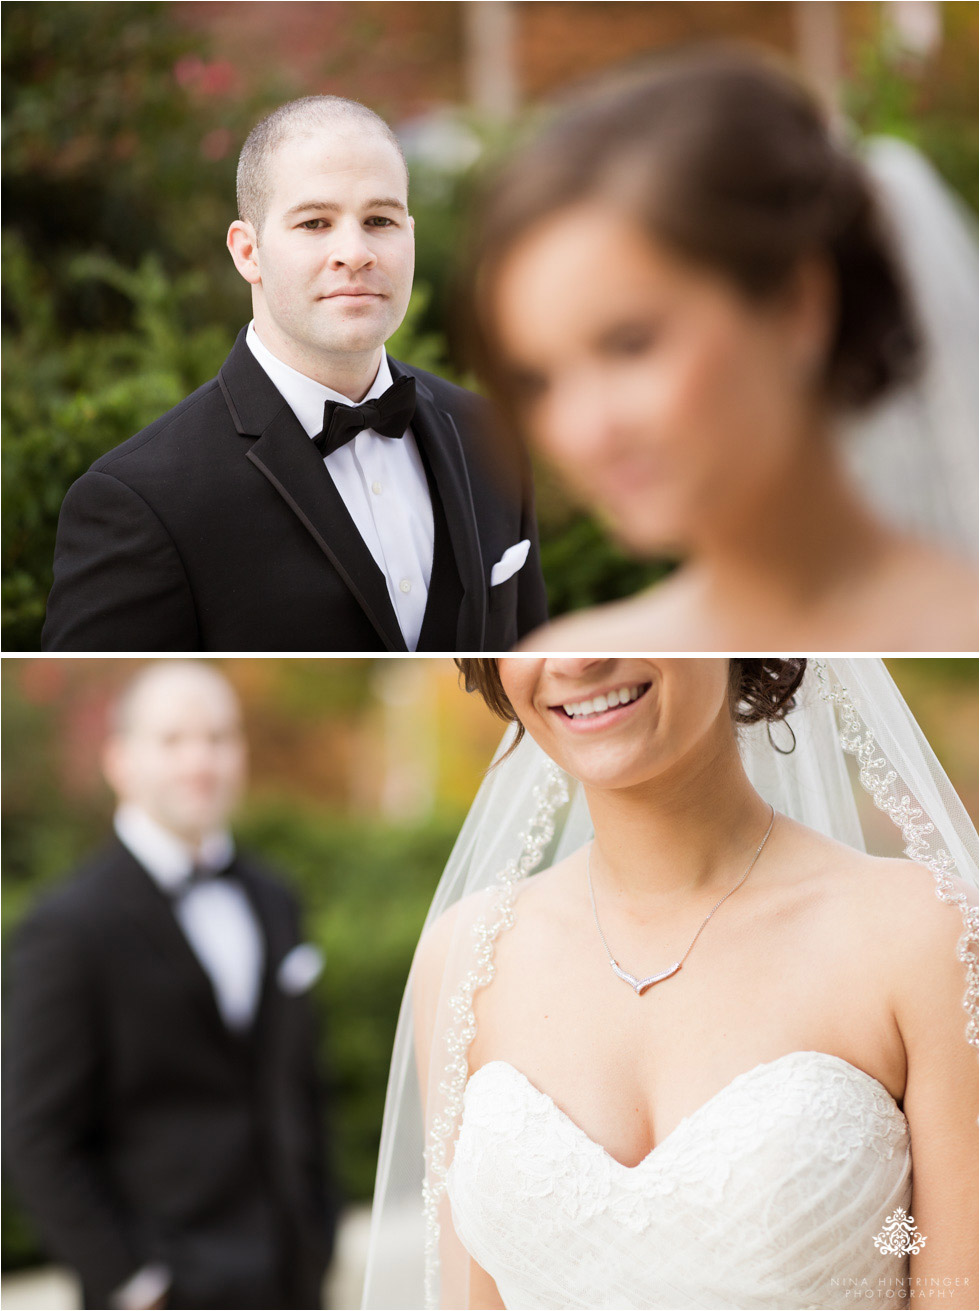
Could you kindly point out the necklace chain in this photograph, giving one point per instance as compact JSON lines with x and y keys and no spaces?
{"x":639,"y":986}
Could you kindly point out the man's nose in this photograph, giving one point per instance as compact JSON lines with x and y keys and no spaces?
{"x":351,"y":249}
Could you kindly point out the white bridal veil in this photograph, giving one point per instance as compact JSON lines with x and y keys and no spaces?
{"x":527,"y":815}
{"x":915,"y":453}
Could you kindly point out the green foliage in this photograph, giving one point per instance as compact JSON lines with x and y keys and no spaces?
{"x":116,"y":137}
{"x":893,"y":93}
{"x":413,"y":343}
{"x":69,"y":397}
{"x":582,"y":566}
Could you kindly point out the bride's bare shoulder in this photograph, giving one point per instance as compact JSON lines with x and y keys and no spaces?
{"x":443,"y":953}
{"x":654,"y":618}
{"x":885,"y":895}
{"x":438,"y":937}
{"x":937,"y":587}
{"x":540,"y":897}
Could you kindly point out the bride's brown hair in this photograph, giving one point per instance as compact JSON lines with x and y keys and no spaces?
{"x":759,"y":690}
{"x":726,"y":158}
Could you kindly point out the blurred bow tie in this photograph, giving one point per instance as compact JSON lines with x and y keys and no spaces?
{"x":203,"y":874}
{"x":389,"y":414}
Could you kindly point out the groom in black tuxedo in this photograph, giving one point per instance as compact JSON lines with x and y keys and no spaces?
{"x":163,"y":1113}
{"x":316,"y":495}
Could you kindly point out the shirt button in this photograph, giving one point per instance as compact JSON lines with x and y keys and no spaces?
{"x":377,"y":488}
{"x":405,"y":585}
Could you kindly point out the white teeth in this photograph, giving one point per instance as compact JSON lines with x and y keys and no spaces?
{"x":596,"y":705}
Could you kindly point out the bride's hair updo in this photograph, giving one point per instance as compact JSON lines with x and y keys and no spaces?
{"x":758,"y":690}
{"x":724,"y":157}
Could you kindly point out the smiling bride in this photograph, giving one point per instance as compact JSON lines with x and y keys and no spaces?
{"x":712,"y":1054}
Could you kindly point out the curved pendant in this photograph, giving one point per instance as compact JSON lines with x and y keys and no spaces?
{"x":639,"y":986}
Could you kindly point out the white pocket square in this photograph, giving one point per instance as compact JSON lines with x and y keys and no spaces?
{"x":509,"y":563}
{"x":300,"y":968}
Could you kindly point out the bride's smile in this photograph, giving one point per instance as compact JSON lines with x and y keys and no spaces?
{"x":619,"y":722}
{"x":599,"y":710}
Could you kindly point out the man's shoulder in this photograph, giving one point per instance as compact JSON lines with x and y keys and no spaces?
{"x":69,"y":905}
{"x":204,"y":408}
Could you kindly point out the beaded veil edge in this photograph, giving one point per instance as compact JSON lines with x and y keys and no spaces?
{"x":549,"y":798}
{"x":918,"y":833}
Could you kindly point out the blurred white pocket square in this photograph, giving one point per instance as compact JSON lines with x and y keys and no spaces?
{"x":509,"y":563}
{"x":300,"y":968}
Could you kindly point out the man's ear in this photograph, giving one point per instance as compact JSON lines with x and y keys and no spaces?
{"x":113,"y":765}
{"x":243,"y":243}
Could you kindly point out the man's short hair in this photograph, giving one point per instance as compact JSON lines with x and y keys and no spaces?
{"x":296,"y":118}
{"x":121,"y":716}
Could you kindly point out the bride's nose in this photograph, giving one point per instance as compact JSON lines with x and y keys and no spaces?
{"x":575,"y":667}
{"x":578,"y":416}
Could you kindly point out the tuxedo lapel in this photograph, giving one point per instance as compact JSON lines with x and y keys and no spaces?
{"x":284,"y":455}
{"x":276,"y":939}
{"x":436,"y":432}
{"x":151,"y":916}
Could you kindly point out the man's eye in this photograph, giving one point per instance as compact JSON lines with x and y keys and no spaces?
{"x":381,"y":221}
{"x":311,"y":225}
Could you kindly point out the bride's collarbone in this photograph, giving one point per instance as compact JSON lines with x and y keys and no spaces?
{"x":787,"y":969}
{"x":633,"y":1066}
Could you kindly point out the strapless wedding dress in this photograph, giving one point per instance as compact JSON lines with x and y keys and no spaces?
{"x":771,"y":1194}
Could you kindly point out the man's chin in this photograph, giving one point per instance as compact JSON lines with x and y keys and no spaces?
{"x":193,"y":828}
{"x":358,"y":333}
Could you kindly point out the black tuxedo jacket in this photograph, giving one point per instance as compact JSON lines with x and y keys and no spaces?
{"x":219,"y":528}
{"x":139,"y":1128}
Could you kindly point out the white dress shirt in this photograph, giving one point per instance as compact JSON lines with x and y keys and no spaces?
{"x":382,"y":482}
{"x":216,"y":916}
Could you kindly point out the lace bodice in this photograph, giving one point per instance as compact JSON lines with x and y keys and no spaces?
{"x":769,"y":1195}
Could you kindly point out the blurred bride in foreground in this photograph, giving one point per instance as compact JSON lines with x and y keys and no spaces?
{"x":688,"y":297}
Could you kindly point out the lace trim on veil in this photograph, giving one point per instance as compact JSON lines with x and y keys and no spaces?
{"x":879,"y":781}
{"x":550,"y":797}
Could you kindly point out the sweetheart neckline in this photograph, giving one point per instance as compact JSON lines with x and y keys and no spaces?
{"x":745,"y":1074}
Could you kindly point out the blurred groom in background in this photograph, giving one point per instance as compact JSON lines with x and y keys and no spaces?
{"x":163,"y":1110}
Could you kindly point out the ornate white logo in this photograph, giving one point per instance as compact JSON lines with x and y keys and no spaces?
{"x":900,"y":1236}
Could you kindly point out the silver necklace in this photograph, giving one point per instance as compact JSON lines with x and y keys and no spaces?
{"x":640,"y":986}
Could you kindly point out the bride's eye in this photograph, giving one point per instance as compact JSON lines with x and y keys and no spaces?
{"x":628,"y":339}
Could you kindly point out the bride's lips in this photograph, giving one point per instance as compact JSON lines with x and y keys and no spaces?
{"x":600,"y":719}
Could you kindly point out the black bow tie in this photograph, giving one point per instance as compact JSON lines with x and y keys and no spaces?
{"x":203,"y":874}
{"x":389,"y":414}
